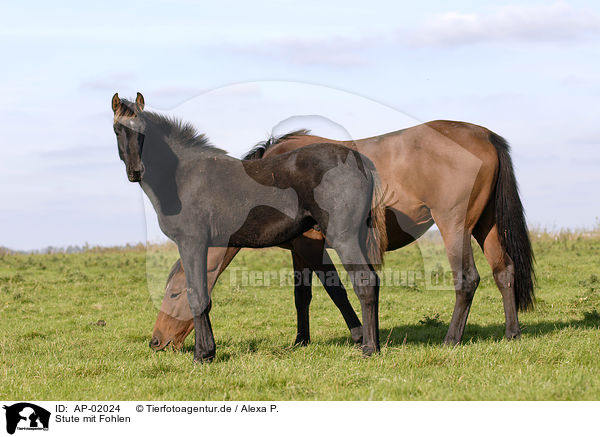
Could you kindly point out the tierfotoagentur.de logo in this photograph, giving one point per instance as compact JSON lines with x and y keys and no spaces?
{"x":26,"y":417}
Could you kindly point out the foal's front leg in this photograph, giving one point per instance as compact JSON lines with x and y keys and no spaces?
{"x":193,"y":255}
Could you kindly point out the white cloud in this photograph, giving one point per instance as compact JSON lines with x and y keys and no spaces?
{"x":541,"y":23}
{"x":523,"y":23}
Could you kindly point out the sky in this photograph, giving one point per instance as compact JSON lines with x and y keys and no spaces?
{"x":529,"y":71}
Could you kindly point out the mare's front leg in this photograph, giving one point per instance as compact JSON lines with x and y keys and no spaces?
{"x":193,"y":255}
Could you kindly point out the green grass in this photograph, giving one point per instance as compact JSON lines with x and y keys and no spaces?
{"x":52,"y":348}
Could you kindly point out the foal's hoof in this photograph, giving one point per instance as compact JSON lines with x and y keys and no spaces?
{"x":368,"y":350}
{"x":516,"y":335}
{"x":204,"y":358}
{"x":451,"y":341}
{"x":357,"y":335}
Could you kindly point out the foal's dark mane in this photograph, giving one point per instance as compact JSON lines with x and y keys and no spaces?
{"x":180,"y":132}
{"x":258,"y":151}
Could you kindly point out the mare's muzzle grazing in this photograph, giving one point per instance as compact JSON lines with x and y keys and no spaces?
{"x":155,"y":343}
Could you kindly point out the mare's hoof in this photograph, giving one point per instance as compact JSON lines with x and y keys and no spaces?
{"x":301,"y":341}
{"x":357,"y":335}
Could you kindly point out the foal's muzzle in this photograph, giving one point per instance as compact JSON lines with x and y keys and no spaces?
{"x":135,"y":175}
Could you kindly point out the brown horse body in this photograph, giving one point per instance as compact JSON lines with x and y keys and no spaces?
{"x":455,"y":174}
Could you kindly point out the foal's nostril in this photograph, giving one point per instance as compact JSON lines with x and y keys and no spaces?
{"x":155,"y":342}
{"x":135,"y":176}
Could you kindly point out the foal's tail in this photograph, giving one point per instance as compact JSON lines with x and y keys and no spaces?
{"x":377,"y":240}
{"x":512,"y":229}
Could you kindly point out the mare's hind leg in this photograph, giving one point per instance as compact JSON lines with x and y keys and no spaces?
{"x":466,"y":278}
{"x":503,"y":270}
{"x":309,"y":256}
{"x":302,"y":298}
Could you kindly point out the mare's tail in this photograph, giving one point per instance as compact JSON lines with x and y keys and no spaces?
{"x":512,"y":229}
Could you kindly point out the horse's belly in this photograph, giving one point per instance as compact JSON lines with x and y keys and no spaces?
{"x":266,"y":226}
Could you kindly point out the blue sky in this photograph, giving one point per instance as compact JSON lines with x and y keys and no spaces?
{"x":528,"y":70}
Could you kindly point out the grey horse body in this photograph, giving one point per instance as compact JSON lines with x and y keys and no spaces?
{"x":204,"y":198}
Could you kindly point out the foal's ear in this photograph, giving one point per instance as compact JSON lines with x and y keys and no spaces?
{"x":139,"y":102}
{"x":116,"y":102}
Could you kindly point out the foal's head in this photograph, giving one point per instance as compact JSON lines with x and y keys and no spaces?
{"x":129,"y":128}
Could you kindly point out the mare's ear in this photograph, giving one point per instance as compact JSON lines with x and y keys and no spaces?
{"x":116,"y":103}
{"x":139,"y":102}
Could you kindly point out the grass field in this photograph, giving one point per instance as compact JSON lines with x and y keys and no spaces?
{"x":51,"y":346}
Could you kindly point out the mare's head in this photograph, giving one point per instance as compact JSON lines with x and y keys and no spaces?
{"x":129,"y":128}
{"x":175,"y":320}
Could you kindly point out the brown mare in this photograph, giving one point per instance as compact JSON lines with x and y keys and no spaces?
{"x":455,"y":174}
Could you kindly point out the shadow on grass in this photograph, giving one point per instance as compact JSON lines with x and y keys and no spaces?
{"x":251,"y":346}
{"x":418,"y":333}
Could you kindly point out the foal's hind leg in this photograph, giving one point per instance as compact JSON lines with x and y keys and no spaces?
{"x":503,"y":270}
{"x":366,"y":286}
{"x":335,"y":289}
{"x":466,"y":278}
{"x":309,"y":255}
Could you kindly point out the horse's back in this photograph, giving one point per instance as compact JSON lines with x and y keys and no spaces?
{"x":306,"y":165}
{"x":422,"y":158}
{"x":432,"y":166}
{"x":448,"y":168}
